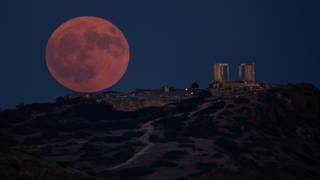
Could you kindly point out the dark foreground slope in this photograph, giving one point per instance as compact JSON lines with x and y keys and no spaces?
{"x":21,"y":166}
{"x":272,"y":134}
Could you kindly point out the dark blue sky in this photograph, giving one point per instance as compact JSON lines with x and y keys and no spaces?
{"x":171,"y":42}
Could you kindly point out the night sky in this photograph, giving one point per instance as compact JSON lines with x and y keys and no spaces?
{"x":172,"y":42}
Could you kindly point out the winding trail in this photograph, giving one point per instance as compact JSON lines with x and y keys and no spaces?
{"x":148,"y":128}
{"x":145,"y":139}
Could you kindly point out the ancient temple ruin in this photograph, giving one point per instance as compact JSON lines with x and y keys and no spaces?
{"x":246,"y":72}
{"x":219,"y":73}
{"x":245,"y":81}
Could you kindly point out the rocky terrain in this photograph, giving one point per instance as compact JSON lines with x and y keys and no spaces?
{"x":273,"y":133}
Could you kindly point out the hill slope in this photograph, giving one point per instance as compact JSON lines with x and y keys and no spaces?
{"x":271,"y":134}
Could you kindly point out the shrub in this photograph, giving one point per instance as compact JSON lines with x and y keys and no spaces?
{"x":229,"y":146}
{"x":204,"y":94}
{"x":164,"y":163}
{"x":129,"y":173}
{"x":174,"y":155}
{"x":206,"y":166}
{"x":201,"y":128}
{"x":241,"y":100}
{"x":195,"y":85}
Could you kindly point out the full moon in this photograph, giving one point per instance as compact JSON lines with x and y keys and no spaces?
{"x":87,"y":54}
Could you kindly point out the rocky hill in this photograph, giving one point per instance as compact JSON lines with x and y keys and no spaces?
{"x":273,"y":133}
{"x":22,"y":166}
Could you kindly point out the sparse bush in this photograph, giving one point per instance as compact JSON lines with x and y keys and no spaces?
{"x":172,"y":127}
{"x":226,"y":113}
{"x":60,"y":100}
{"x":191,"y":146}
{"x":243,"y":109}
{"x":50,"y":133}
{"x":65,"y":163}
{"x":24,"y":176}
{"x":201,"y":128}
{"x":195,"y":85}
{"x":217,"y":155}
{"x":81,"y":134}
{"x":212,"y":108}
{"x":174,"y":155}
{"x":129,"y":173}
{"x":186,"y":105}
{"x":241,"y":100}
{"x":218,"y":105}
{"x":124,"y":154}
{"x":164,"y":163}
{"x":206,"y":166}
{"x":181,"y":178}
{"x":204,"y":94}
{"x":155,"y":138}
{"x":32,"y":140}
{"x":229,"y":146}
{"x":94,"y":111}
{"x":229,"y":106}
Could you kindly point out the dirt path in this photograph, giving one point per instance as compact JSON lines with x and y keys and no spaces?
{"x":148,"y":128}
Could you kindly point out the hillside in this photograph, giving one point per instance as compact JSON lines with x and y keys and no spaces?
{"x":272,"y":133}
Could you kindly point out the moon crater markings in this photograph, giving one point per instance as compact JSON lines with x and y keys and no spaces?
{"x":112,"y":30}
{"x":68,"y":44}
{"x":84,"y":54}
{"x":104,"y":42}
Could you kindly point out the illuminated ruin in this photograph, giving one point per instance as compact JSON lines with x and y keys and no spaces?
{"x":245,"y":81}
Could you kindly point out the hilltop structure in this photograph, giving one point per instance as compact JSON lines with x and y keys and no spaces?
{"x":246,"y":72}
{"x":219,"y":72}
{"x":245,"y":81}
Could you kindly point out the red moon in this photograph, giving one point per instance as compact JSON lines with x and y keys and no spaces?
{"x":87,"y":54}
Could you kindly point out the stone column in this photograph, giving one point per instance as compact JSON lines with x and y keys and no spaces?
{"x":241,"y":74}
{"x":249,"y":72}
{"x":217,"y":73}
{"x":228,"y":73}
{"x":253,"y":73}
